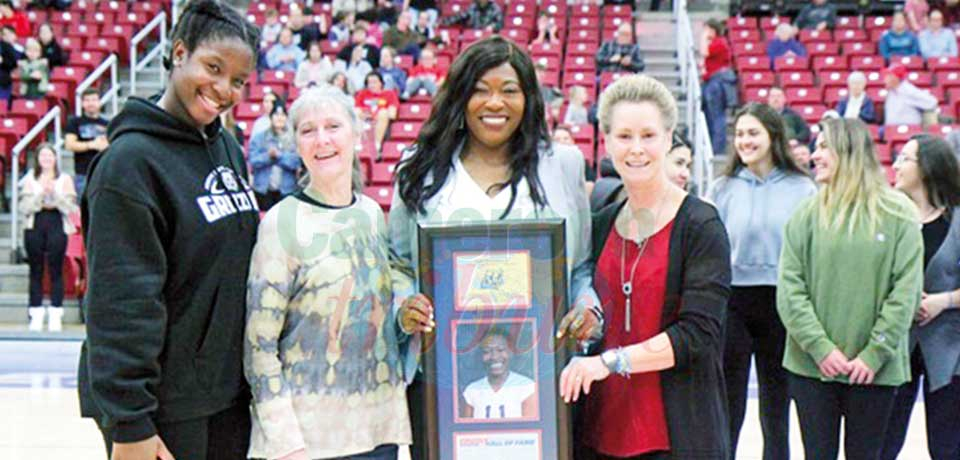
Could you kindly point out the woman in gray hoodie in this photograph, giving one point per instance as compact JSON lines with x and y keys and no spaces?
{"x":759,"y":190}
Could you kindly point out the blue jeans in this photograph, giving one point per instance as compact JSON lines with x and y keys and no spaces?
{"x":80,"y":183}
{"x":414,"y":85}
{"x":715,"y":110}
{"x":383,"y":452}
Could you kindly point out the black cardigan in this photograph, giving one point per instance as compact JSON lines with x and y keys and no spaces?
{"x":698,"y":286}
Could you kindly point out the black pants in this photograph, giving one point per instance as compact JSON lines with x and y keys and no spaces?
{"x":865,"y":410}
{"x":266,"y":200}
{"x":221,"y":436}
{"x":942,"y":409}
{"x":418,"y":420}
{"x":754,"y":329}
{"x":46,"y":242}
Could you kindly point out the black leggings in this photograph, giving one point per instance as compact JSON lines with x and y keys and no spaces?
{"x":754,"y":329}
{"x":46,"y":240}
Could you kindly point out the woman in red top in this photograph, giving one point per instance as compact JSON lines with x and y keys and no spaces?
{"x":663,"y":277}
{"x":377,"y":104}
{"x":720,"y":83}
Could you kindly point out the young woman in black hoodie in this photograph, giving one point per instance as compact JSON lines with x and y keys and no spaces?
{"x":170,"y":224}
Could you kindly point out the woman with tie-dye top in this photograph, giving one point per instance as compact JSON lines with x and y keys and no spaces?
{"x":321,"y":350}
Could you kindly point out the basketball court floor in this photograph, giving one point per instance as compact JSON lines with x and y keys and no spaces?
{"x":39,"y":415}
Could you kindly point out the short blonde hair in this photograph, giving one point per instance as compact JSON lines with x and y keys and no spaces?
{"x":638,"y":88}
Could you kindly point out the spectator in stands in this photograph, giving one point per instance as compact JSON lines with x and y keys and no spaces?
{"x":357,"y":69}
{"x":47,"y":199}
{"x":394,"y":78}
{"x":562,"y":135}
{"x":927,"y":172}
{"x":785,"y":43}
{"x":402,"y":37}
{"x":262,"y":123}
{"x":899,"y":41}
{"x":51,"y":49}
{"x":168,"y":202}
{"x":384,"y":15}
{"x":480,"y":15}
{"x":427,"y":75}
{"x":378,"y":105}
{"x":305,"y":30}
{"x":418,"y":7}
{"x":368,"y":52}
{"x":358,"y":7}
{"x":916,"y":13}
{"x":425,"y":28}
{"x":797,"y":128}
{"x":551,"y":95}
{"x":34,"y":72}
{"x":936,"y":40}
{"x":343,"y":24}
{"x":761,"y":172}
{"x":285,"y":55}
{"x":905,"y":104}
{"x":274,"y":161}
{"x":86,"y":135}
{"x":719,"y":83}
{"x":950,"y":10}
{"x":270,"y":31}
{"x":857,"y":104}
{"x":621,"y":54}
{"x":679,"y":165}
{"x":16,"y":19}
{"x":340,"y":80}
{"x":547,"y":31}
{"x":10,"y":37}
{"x":577,"y":107}
{"x":849,"y":283}
{"x":8,"y":63}
{"x":315,"y":69}
{"x":818,"y":15}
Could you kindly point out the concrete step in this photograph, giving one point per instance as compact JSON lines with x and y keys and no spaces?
{"x":13,"y":309}
{"x":14,"y":279}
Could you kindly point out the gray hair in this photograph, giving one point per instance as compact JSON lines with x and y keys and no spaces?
{"x":315,"y":99}
{"x":637,"y":88}
{"x":857,"y":77}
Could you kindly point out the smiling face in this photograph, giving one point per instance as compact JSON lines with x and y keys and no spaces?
{"x":209,"y":80}
{"x":825,"y":162}
{"x":278,"y":120}
{"x":678,"y":164}
{"x":496,"y":355}
{"x":909,"y":177}
{"x":638,"y":142}
{"x":374,"y":83}
{"x":47,"y":160}
{"x":46,"y":33}
{"x":326,"y":141}
{"x":752,"y":141}
{"x":495,"y":108}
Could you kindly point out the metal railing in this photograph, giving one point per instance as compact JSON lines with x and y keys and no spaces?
{"x":160,"y":21}
{"x":112,"y":95}
{"x":695,"y":120}
{"x":53,"y":116}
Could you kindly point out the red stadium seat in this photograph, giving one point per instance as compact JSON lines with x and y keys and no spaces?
{"x":943,"y":63}
{"x":65,"y":17}
{"x":112,"y":7}
{"x":550,"y":62}
{"x":519,"y":36}
{"x":884,"y":153}
{"x":579,"y":78}
{"x":758,"y":94}
{"x":745,"y":36}
{"x":612,"y":22}
{"x":795,"y":79}
{"x":70,"y":76}
{"x":412,"y":111}
{"x":248,"y":110}
{"x":833,"y":94}
{"x":609,"y":77}
{"x":587,"y":35}
{"x":804,"y":95}
{"x":823,"y":49}
{"x":277,"y":77}
{"x":622,"y":11}
{"x":847,"y":22}
{"x":256,"y":91}
{"x":838,"y":78}
{"x":557,"y":8}
{"x":910,"y":62}
{"x":580,"y":64}
{"x":741,"y":22}
{"x":122,"y":34}
{"x":851,"y":35}
{"x":770,"y":23}
{"x":382,"y":173}
{"x":582,"y":49}
{"x":866,"y":63}
{"x":12,"y":129}
{"x":393,"y":150}
{"x":582,"y":133}
{"x":877,"y":95}
{"x":753,"y":79}
{"x":808,"y":36}
{"x":921,"y":79}
{"x":942,"y":130}
{"x":811,"y":113}
{"x":404,"y":131}
{"x":585,"y":10}
{"x":32,"y":110}
{"x":382,"y":194}
{"x":791,"y":63}
{"x":546,"y":50}
{"x":875,"y":80}
{"x":747,"y":49}
{"x":82,"y":29}
{"x":830,"y":63}
{"x":101,"y":18}
{"x":748,"y":63}
{"x":901,"y":133}
{"x":88,"y":60}
{"x":862,"y":48}
{"x":876,"y":35}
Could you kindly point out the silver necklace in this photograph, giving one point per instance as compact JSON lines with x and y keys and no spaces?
{"x":626,"y":284}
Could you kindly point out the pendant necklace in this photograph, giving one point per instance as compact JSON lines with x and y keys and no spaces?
{"x":626,"y":284}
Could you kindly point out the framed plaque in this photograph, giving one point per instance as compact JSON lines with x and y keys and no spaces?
{"x":492,"y":366}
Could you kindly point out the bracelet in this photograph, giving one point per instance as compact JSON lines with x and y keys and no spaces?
{"x":595,"y":309}
{"x":623,"y":362}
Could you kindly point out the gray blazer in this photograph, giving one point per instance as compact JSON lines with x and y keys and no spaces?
{"x":939,"y":340}
{"x":561,"y":173}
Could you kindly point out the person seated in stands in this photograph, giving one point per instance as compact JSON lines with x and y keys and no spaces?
{"x":547,"y":31}
{"x":563,"y":135}
{"x":552,"y":96}
{"x":916,"y":13}
{"x":340,"y":80}
{"x":8,"y":62}
{"x":394,"y":78}
{"x":285,"y":55}
{"x":356,"y":69}
{"x":305,"y":30}
{"x":270,"y":31}
{"x":343,"y":24}
{"x":621,"y":54}
{"x":427,"y":75}
{"x":797,"y":128}
{"x":34,"y":72}
{"x":9,"y":36}
{"x":857,"y":104}
{"x":52,"y":51}
{"x":418,"y":7}
{"x":274,"y":161}
{"x":481,"y":15}
{"x":16,"y":19}
{"x":905,"y":104}
{"x":86,"y":136}
{"x":368,"y":52}
{"x":785,"y":43}
{"x":899,"y":41}
{"x":384,"y":15}
{"x":425,"y":27}
{"x":262,"y":123}
{"x":315,"y":69}
{"x":818,"y":15}
{"x":403,"y":37}
{"x":950,"y":10}
{"x":377,"y":104}
{"x":936,"y":40}
{"x":358,"y":7}
{"x":577,"y":108}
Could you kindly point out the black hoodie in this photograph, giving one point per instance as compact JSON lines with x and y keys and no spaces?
{"x":170,"y":224}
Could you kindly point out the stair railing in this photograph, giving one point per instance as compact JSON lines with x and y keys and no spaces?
{"x":159,"y":23}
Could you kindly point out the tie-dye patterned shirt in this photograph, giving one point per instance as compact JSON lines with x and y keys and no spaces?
{"x":321,"y":351}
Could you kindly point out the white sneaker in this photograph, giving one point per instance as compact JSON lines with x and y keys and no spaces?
{"x":36,"y":318}
{"x":56,"y":319}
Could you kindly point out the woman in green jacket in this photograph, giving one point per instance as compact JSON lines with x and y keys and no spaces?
{"x":849,"y":283}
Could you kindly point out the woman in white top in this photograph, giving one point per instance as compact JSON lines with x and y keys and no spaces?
{"x":315,"y":70}
{"x":857,"y":104}
{"x":47,"y":198}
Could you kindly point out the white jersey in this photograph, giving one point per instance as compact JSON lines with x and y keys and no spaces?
{"x":505,"y":403}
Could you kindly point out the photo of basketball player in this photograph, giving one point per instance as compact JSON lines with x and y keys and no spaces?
{"x":502,"y":392}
